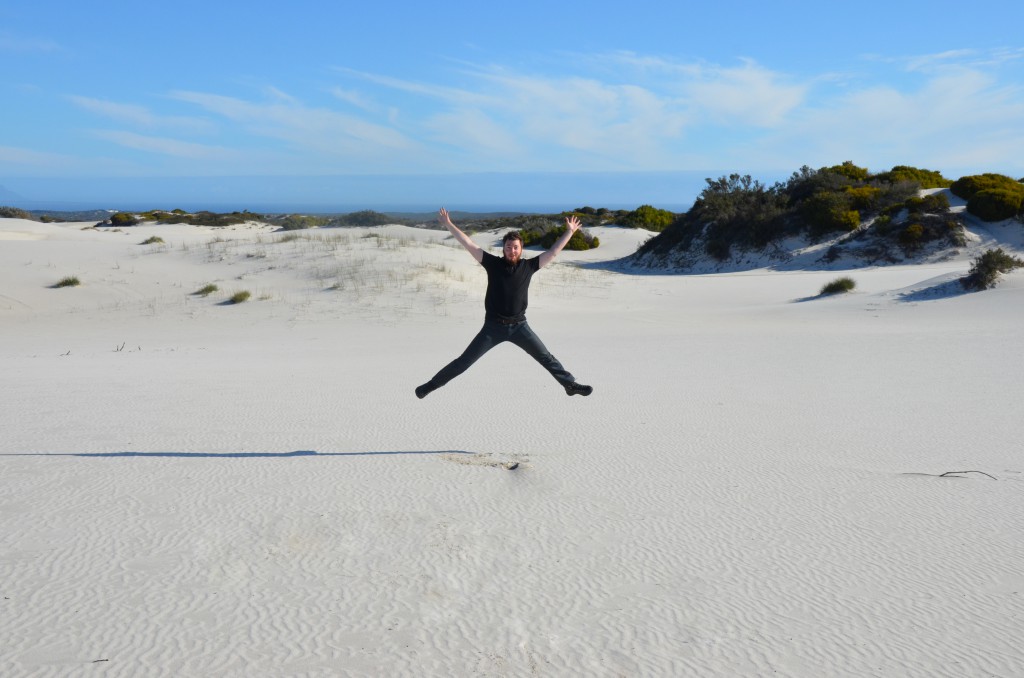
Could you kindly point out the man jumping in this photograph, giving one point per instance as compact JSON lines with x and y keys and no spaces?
{"x":508,"y":282}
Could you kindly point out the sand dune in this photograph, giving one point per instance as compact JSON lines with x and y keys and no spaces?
{"x":195,"y":488}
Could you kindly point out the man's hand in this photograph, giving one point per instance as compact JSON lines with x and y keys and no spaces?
{"x":572,"y":224}
{"x":443,"y":218}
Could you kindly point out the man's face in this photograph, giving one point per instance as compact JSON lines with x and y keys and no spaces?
{"x":513,"y":250}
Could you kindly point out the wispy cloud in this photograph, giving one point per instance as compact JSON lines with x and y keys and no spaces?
{"x":615,"y":111}
{"x":319,"y":130}
{"x":165,"y":146}
{"x":25,"y":157}
{"x":948,"y":118}
{"x":20,"y":43}
{"x":140,"y":116}
{"x":27,"y":162}
{"x":523,"y":119}
{"x":746,"y":95}
{"x":355,"y":98}
{"x":988,"y":58}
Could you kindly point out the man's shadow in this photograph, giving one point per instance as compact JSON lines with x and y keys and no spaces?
{"x":235,"y":455}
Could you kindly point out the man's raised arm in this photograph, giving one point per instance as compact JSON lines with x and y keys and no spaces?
{"x":471,"y":247}
{"x":572,"y":224}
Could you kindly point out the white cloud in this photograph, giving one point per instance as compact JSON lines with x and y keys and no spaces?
{"x":26,"y":157}
{"x":164,"y":146}
{"x":357,"y":99}
{"x":956,"y":118}
{"x":317,"y":129}
{"x":526,"y":120}
{"x":474,"y":131}
{"x":962,"y":58}
{"x":15,"y":43}
{"x":610,"y":112}
{"x":139,"y":116}
{"x":746,"y":95}
{"x":27,"y":162}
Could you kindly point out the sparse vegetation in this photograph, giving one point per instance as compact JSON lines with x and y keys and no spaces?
{"x":986,"y":269}
{"x":239,"y":297}
{"x":153,"y":240}
{"x":14,"y":213}
{"x":206,"y":290}
{"x":70,"y":281}
{"x":838,"y":286}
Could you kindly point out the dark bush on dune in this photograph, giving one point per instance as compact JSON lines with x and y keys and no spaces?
{"x":123,"y":219}
{"x":14,"y":213}
{"x":986,"y":269}
{"x":650,"y":218}
{"x":579,"y":241}
{"x":991,"y":197}
{"x":995,"y":204}
{"x":363,"y":218}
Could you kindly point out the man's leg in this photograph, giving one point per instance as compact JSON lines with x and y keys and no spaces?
{"x":484,"y":341}
{"x":526,"y":339}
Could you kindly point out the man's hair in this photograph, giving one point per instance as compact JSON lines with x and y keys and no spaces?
{"x":512,"y":235}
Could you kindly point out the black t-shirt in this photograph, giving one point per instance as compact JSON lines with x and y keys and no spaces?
{"x":508,"y":286}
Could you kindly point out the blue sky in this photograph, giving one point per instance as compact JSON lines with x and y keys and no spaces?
{"x":121,"y":96}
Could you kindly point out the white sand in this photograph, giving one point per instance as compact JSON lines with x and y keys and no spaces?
{"x":195,"y":489}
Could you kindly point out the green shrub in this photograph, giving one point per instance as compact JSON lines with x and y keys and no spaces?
{"x":924,"y":178}
{"x":123,"y":219}
{"x":933,"y":202}
{"x":911,"y":235}
{"x":863,"y":197}
{"x":967,"y":187}
{"x":579,"y":241}
{"x":838,"y":286}
{"x":14,"y":213}
{"x":239,"y":297}
{"x":827,"y":212}
{"x":70,"y":281}
{"x":206,"y":290}
{"x":297,"y":222}
{"x":883,"y":225}
{"x":363,"y":218}
{"x":995,"y":204}
{"x":153,"y":240}
{"x":985,"y":269}
{"x":849,"y":170}
{"x":650,"y":218}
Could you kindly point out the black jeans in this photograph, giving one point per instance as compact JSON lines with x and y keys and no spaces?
{"x":494,"y":333}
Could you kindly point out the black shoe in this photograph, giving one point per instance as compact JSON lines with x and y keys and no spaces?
{"x":578,"y":389}
{"x":424,"y":389}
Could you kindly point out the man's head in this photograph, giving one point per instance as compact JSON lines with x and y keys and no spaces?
{"x":512,"y":246}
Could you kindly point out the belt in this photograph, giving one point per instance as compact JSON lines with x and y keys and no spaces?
{"x":508,"y":321}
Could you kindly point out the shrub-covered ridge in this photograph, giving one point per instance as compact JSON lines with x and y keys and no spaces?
{"x":881,"y":216}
